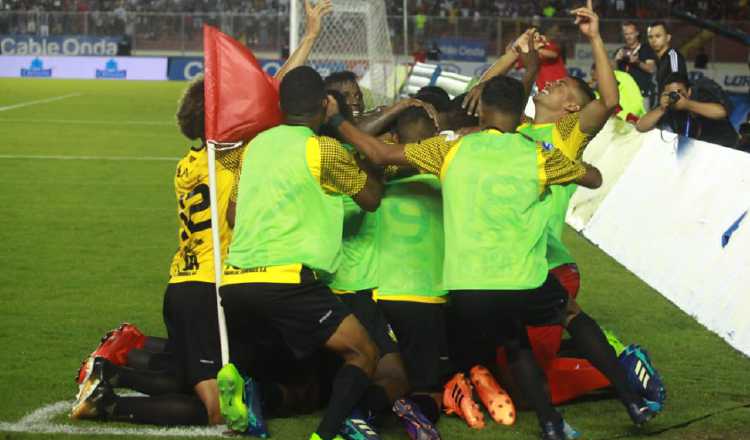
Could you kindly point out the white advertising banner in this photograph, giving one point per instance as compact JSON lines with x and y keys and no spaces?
{"x":675,"y":218}
{"x":122,"y":68}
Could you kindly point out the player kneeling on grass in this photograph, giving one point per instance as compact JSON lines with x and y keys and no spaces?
{"x":495,"y":266}
{"x":288,"y":229}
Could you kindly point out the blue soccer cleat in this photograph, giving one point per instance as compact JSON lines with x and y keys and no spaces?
{"x":358,"y":428}
{"x":256,"y":424}
{"x":643,"y":377}
{"x":418,"y":427}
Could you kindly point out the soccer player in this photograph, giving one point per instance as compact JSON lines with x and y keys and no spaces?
{"x":495,"y":220}
{"x":409,"y":272}
{"x":190,"y":298}
{"x":568,"y":115}
{"x":288,"y":230}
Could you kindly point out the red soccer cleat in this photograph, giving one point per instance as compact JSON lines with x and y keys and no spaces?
{"x":493,"y":396}
{"x":114,"y":347}
{"x":457,"y":398}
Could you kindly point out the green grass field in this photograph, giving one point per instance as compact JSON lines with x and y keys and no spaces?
{"x":86,"y":244}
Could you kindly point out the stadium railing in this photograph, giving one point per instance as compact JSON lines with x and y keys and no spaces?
{"x":151,"y":33}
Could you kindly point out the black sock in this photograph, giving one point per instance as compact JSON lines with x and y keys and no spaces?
{"x":167,"y":410}
{"x":592,"y":344}
{"x":427,"y":405}
{"x":155,"y":344}
{"x":376,"y":400}
{"x":272,"y":397}
{"x":530,"y":379}
{"x":349,"y":386}
{"x":153,"y":383}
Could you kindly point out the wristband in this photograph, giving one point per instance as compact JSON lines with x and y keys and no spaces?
{"x":336,"y":120}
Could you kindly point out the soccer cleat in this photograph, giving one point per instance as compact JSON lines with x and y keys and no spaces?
{"x":640,"y":413}
{"x":315,"y":436}
{"x":355,"y":428}
{"x":93,"y":396}
{"x":553,"y":431}
{"x":494,"y":398}
{"x":570,"y":432}
{"x":256,"y":424}
{"x":642,"y":376}
{"x":418,"y":427}
{"x":614,"y":341}
{"x":457,"y":398}
{"x":231,"y":398}
{"x":114,"y":346}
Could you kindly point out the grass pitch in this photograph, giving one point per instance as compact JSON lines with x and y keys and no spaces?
{"x":88,"y":227}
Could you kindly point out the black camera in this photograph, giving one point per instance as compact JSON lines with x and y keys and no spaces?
{"x":674,"y":97}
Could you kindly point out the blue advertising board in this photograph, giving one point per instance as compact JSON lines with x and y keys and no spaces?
{"x":461,"y":49}
{"x":187,"y":68}
{"x":59,"y":45}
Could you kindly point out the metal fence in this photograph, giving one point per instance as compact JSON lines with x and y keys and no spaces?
{"x":180,"y":33}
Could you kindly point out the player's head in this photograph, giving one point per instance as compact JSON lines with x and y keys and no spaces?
{"x":439,"y":98}
{"x":458,"y":117}
{"x":346,"y":83}
{"x":659,"y":37}
{"x":502,"y":102}
{"x":344,"y":111}
{"x":303,"y":97}
{"x":413,"y":125}
{"x":190,"y":116}
{"x":566,"y":95}
{"x":630,"y":33}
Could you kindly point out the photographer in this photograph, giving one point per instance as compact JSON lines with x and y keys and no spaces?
{"x":699,"y":112}
{"x":637,"y":59}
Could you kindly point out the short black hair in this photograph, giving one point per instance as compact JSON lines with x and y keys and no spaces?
{"x":585,"y":88}
{"x":660,"y":23}
{"x":630,"y":23}
{"x":439,"y":98}
{"x":344,"y":110}
{"x":302,"y":92}
{"x":459,"y":117}
{"x":676,"y":77}
{"x":414,"y":124}
{"x":504,"y":94}
{"x":340,"y":77}
{"x":191,"y":111}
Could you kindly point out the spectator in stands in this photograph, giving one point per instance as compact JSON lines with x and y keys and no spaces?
{"x":433,"y":54}
{"x":636,"y":59}
{"x":700,"y":112}
{"x":701,"y":59}
{"x":670,"y":61}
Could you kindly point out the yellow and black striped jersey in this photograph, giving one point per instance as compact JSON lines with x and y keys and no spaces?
{"x":194,"y":258}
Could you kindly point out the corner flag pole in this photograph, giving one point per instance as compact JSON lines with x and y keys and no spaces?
{"x":216,"y":241}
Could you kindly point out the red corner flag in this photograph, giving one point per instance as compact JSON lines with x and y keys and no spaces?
{"x":241,"y":100}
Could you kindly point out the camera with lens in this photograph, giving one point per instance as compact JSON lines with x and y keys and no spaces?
{"x":674,"y":97}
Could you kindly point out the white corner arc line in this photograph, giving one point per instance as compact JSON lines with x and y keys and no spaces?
{"x":40,"y":421}
{"x":87,"y":122}
{"x":62,"y":157}
{"x":39,"y":101}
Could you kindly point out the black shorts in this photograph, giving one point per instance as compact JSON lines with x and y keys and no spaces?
{"x":304,"y":315}
{"x":367,"y":312}
{"x":486,"y":319}
{"x":192,"y":326}
{"x":421,"y":334}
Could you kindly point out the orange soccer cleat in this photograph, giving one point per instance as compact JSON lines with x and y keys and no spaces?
{"x":494,"y":398}
{"x":457,"y":398}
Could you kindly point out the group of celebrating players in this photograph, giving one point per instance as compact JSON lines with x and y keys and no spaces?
{"x":378,"y":261}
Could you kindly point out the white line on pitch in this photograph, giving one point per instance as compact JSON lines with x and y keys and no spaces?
{"x":58,"y":157}
{"x":40,"y":421}
{"x":40,"y":101}
{"x":86,"y":122}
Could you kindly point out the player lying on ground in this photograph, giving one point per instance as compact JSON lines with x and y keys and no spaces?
{"x":190,"y":299}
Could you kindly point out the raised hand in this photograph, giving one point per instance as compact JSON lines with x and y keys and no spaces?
{"x":587,"y":20}
{"x":315,"y":15}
